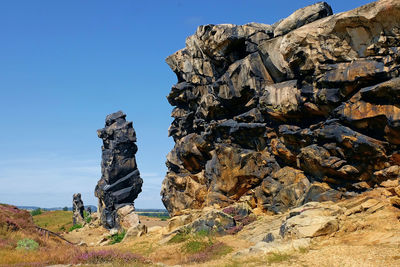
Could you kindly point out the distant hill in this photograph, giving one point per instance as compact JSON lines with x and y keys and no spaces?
{"x":94,"y":208}
{"x":151,"y":210}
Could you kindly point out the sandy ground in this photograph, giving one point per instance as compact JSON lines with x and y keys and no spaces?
{"x":151,"y":221}
{"x":364,"y":239}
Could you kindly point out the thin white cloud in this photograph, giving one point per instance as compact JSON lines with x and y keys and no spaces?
{"x":48,"y":180}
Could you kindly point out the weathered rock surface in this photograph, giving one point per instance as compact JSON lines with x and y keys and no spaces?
{"x":77,"y":209}
{"x":311,"y":220}
{"x":280,"y":115}
{"x":120,"y":183}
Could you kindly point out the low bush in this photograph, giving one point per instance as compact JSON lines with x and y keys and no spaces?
{"x":76,"y":226}
{"x":36,"y":212}
{"x":114,"y":239}
{"x":27,"y":244}
{"x":87,"y":217}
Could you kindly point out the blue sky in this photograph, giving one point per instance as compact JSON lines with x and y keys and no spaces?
{"x":65,"y":65}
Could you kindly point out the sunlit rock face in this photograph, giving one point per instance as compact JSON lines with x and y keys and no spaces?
{"x":277,"y":115}
{"x":120,"y":182}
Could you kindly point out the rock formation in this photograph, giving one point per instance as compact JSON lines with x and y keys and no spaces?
{"x":120,"y":183}
{"x":77,"y":209}
{"x":280,"y":115}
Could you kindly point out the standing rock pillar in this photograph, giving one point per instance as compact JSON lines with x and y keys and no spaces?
{"x":120,"y":182}
{"x":77,"y":209}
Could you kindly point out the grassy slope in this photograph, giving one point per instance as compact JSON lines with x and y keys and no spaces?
{"x":16,"y":224}
{"x":56,"y":221}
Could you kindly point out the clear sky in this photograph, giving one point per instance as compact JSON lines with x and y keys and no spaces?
{"x":65,"y":65}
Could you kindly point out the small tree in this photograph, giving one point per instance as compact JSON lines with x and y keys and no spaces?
{"x":36,"y":212}
{"x":65,"y":209}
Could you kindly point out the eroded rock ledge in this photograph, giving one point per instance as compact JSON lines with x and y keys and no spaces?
{"x":279,"y":115}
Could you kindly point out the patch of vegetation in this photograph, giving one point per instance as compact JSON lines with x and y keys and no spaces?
{"x":14,"y":219}
{"x":65,"y":209}
{"x":201,"y":245}
{"x":210,"y":252}
{"x":278,"y":257}
{"x":161,"y":215}
{"x":242,"y":218}
{"x":36,"y":212}
{"x":114,"y":239}
{"x":27,"y":244}
{"x":106,"y":256}
{"x":194,"y":246}
{"x":181,"y":236}
{"x":56,"y":221}
{"x":76,"y":226}
{"x":87,"y":216}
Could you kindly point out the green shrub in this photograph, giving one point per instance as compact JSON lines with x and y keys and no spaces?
{"x":65,"y":209}
{"x":27,"y":244}
{"x":36,"y":212}
{"x":87,"y":217}
{"x":114,"y":239}
{"x":76,"y":226}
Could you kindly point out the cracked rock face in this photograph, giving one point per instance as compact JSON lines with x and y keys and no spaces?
{"x":278,"y":115}
{"x":120,"y":183}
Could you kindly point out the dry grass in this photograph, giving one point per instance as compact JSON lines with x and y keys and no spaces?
{"x":16,"y":225}
{"x":56,"y":221}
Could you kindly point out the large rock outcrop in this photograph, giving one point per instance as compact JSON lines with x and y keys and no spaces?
{"x":120,"y":183}
{"x":278,"y":115}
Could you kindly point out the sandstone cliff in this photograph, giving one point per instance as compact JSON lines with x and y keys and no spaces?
{"x":279,"y":115}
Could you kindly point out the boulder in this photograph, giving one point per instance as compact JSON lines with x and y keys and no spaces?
{"x":311,"y":220}
{"x":303,"y":16}
{"x":135,"y":231}
{"x":127,"y":217}
{"x":120,"y":183}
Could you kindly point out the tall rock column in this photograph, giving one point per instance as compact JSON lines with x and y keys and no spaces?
{"x":77,"y":209}
{"x":120,"y":182}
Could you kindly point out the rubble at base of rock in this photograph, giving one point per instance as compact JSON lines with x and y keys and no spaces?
{"x":280,"y":115}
